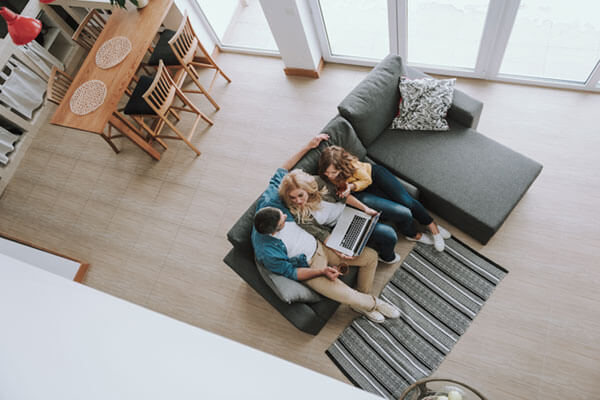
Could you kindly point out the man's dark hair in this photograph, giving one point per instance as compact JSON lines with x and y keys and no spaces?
{"x":266,"y":220}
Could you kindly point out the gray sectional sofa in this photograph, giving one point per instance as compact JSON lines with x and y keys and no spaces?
{"x":461,"y":175}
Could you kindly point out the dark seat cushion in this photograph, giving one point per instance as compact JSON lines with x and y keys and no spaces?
{"x":471,"y":180}
{"x":162,"y":50}
{"x":136,"y":104}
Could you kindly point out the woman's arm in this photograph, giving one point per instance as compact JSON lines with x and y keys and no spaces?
{"x":356,"y":203}
{"x":314,"y":142}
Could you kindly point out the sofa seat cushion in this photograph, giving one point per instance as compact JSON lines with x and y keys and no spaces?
{"x":465,"y":177}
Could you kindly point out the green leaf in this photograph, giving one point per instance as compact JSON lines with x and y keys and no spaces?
{"x":120,"y":3}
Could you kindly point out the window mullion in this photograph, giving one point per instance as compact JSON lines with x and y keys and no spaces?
{"x":507,"y":18}
{"x":317,"y":17}
{"x":393,"y":26}
{"x":402,"y":28}
{"x":488,"y":38}
{"x":592,"y":82}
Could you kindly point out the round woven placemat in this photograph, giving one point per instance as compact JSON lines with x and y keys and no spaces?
{"x":112,"y":52}
{"x":88,"y":97}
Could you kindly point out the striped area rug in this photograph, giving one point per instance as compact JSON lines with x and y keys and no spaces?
{"x":439,"y":295}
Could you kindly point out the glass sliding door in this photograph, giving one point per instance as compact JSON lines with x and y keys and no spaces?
{"x":554,"y":39}
{"x":239,"y":23}
{"x":554,"y":42}
{"x":445,"y":33}
{"x":353,"y":28}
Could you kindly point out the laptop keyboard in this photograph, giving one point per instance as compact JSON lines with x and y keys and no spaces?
{"x":353,"y":232}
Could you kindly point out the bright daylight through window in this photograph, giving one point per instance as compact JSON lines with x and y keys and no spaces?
{"x":239,"y":23}
{"x":356,"y":28}
{"x":445,"y":32}
{"x":554,"y":40}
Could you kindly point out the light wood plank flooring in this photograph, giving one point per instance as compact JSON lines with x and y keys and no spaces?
{"x":154,"y":233}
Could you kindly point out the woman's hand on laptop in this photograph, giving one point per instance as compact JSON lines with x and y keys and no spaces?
{"x":370,"y":211}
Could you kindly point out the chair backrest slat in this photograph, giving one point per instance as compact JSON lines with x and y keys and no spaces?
{"x":58,"y":85}
{"x":184,"y":42}
{"x":161,"y":93}
{"x":89,"y":30}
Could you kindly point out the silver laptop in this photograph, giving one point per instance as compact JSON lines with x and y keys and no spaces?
{"x":352,"y":231}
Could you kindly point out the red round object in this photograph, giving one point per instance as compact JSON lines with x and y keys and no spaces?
{"x":47,"y":1}
{"x":22,"y":30}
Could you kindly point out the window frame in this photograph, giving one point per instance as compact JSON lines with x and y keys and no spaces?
{"x":500,"y":19}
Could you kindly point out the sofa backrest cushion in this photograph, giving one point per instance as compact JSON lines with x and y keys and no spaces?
{"x":342,"y":134}
{"x":240,"y":232}
{"x":310,"y":162}
{"x":287,"y":289}
{"x":373,"y":104}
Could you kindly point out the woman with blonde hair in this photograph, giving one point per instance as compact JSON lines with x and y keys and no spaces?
{"x":316,"y":208}
{"x":378,"y":188}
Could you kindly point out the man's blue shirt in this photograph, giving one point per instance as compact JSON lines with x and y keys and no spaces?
{"x":270,"y":251}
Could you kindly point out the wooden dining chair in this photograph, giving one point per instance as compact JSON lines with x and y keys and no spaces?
{"x":58,"y":85}
{"x":89,"y":30}
{"x":183,"y":52}
{"x":153,"y":99}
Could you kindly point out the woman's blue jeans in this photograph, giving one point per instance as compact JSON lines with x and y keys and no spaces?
{"x":383,"y":239}
{"x":386,"y":194}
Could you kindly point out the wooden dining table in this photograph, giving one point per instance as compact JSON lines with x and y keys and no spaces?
{"x":140,"y":27}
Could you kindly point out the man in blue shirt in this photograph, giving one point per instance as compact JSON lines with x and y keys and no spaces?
{"x":286,"y":249}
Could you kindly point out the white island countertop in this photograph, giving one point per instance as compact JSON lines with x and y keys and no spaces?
{"x":63,"y":340}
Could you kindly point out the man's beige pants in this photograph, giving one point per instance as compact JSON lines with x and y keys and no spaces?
{"x":338,"y":290}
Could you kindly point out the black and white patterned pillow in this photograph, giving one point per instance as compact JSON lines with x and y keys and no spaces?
{"x":424,"y":104}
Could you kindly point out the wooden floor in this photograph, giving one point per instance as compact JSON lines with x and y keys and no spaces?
{"x":154,"y":233}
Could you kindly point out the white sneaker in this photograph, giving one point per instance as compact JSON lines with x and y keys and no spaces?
{"x":394,"y":261}
{"x":374,"y":316}
{"x":387,"y":310}
{"x":444,"y":232}
{"x":438,"y":242}
{"x":425,"y":238}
